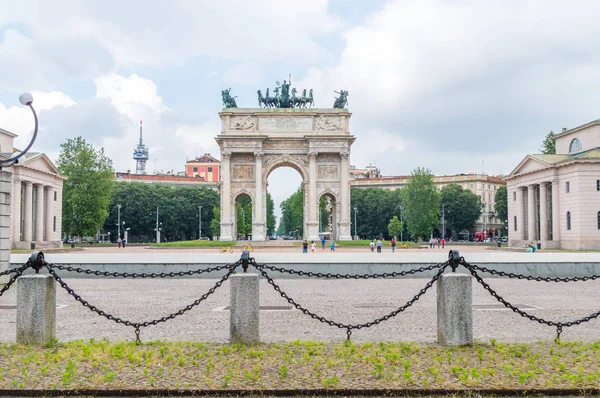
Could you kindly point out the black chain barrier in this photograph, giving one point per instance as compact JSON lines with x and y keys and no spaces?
{"x":143,"y":274}
{"x":533,"y":278}
{"x":559,"y":325}
{"x":349,"y":327}
{"x":138,"y":325}
{"x":37,"y":262}
{"x":17,"y":273}
{"x":350,"y":276}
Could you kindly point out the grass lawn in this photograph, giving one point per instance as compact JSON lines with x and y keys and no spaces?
{"x":303,"y":365}
{"x":196,"y":243}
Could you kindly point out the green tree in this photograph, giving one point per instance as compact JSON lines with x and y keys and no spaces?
{"x":462,"y":207}
{"x":422,"y":203}
{"x":244,"y":215}
{"x":501,"y":204}
{"x":375,"y":207}
{"x":395,"y":226}
{"x":178,"y":210}
{"x":292,"y":213}
{"x":87,"y":190}
{"x":549,"y":145}
{"x":215,"y":223}
{"x":271,"y":220}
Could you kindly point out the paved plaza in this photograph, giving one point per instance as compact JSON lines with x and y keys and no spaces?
{"x":349,"y":301}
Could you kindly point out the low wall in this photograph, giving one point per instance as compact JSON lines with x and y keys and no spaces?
{"x":533,"y":264}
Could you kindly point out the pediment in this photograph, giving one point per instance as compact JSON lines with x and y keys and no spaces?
{"x":42,"y":163}
{"x":528,"y":165}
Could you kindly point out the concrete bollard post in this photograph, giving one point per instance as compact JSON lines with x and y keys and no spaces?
{"x":455,"y":309}
{"x":36,"y":309}
{"x":244,"y":312}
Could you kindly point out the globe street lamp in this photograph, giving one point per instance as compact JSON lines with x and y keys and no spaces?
{"x":25,"y":99}
{"x":355,"y":211}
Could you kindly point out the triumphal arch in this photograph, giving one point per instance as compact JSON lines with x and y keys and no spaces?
{"x":314,"y":141}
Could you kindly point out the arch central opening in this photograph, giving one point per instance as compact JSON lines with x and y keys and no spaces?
{"x":286,"y":188}
{"x":244,"y":217}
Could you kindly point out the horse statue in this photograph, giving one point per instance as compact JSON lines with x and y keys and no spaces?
{"x":274,"y":101}
{"x":342,"y":100}
{"x":228,"y":100}
{"x":309,"y":99}
{"x":261,"y":99}
{"x":297,"y":102}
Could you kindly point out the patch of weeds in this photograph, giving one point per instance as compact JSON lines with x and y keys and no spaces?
{"x":330,"y":381}
{"x":69,"y":373}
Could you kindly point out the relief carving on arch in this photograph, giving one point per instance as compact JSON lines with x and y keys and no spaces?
{"x":285,"y":145}
{"x":269,"y":160}
{"x":243,"y":172}
{"x":327,"y":171}
{"x":328,"y":158}
{"x":243,"y":157}
{"x":241,"y":144}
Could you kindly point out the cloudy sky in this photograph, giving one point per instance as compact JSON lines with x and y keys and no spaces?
{"x":454,"y":86}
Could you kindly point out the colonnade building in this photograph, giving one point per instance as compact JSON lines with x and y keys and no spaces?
{"x":554,"y":200}
{"x":36,"y":200}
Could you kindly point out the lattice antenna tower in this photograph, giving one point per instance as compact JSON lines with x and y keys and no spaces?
{"x":140,"y":155}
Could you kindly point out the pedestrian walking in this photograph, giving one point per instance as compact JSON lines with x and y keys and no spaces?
{"x":378,"y":245}
{"x":393,"y":244}
{"x":332,"y":247}
{"x":313,"y":246}
{"x":124,"y":242}
{"x":372,"y":245}
{"x":305,"y":247}
{"x":119,"y":241}
{"x":439,"y":243}
{"x":443,"y":242}
{"x":323,"y":243}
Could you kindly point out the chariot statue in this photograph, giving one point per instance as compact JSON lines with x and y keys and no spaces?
{"x":285,"y":97}
{"x":228,"y":100}
{"x":342,"y":100}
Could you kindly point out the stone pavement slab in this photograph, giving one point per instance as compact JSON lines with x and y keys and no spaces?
{"x":342,"y":300}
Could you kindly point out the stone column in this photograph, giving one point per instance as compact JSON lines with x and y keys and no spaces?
{"x":520,"y":213}
{"x":313,"y":205}
{"x":5,"y":226}
{"x":344,"y":223}
{"x":244,"y":312}
{"x":454,"y":309}
{"x":258,"y":226}
{"x":226,"y":197}
{"x":49,"y":224}
{"x":39,"y":214}
{"x":543,"y":211}
{"x":16,"y":212}
{"x":28,"y":212}
{"x":555,"y":212}
{"x":36,"y":309}
{"x":531,"y":212}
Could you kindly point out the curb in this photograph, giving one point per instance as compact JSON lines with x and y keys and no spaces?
{"x":300,"y":392}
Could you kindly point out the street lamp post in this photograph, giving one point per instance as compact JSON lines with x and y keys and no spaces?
{"x":484,"y":221}
{"x":118,"y":221}
{"x":443,"y":222}
{"x":243,"y":220}
{"x":199,"y":222}
{"x":355,"y":211}
{"x":157,"y":229}
{"x":402,"y":222}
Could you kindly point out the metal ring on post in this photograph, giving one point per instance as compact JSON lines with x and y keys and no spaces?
{"x":37,"y":261}
{"x":25,"y":99}
{"x":454,"y":259}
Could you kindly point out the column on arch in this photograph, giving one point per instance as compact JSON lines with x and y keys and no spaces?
{"x":226,"y":196}
{"x":258,"y":227}
{"x":544,"y":211}
{"x":313,"y":221}
{"x":531,"y":212}
{"x":345,"y":197}
{"x":39,"y":213}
